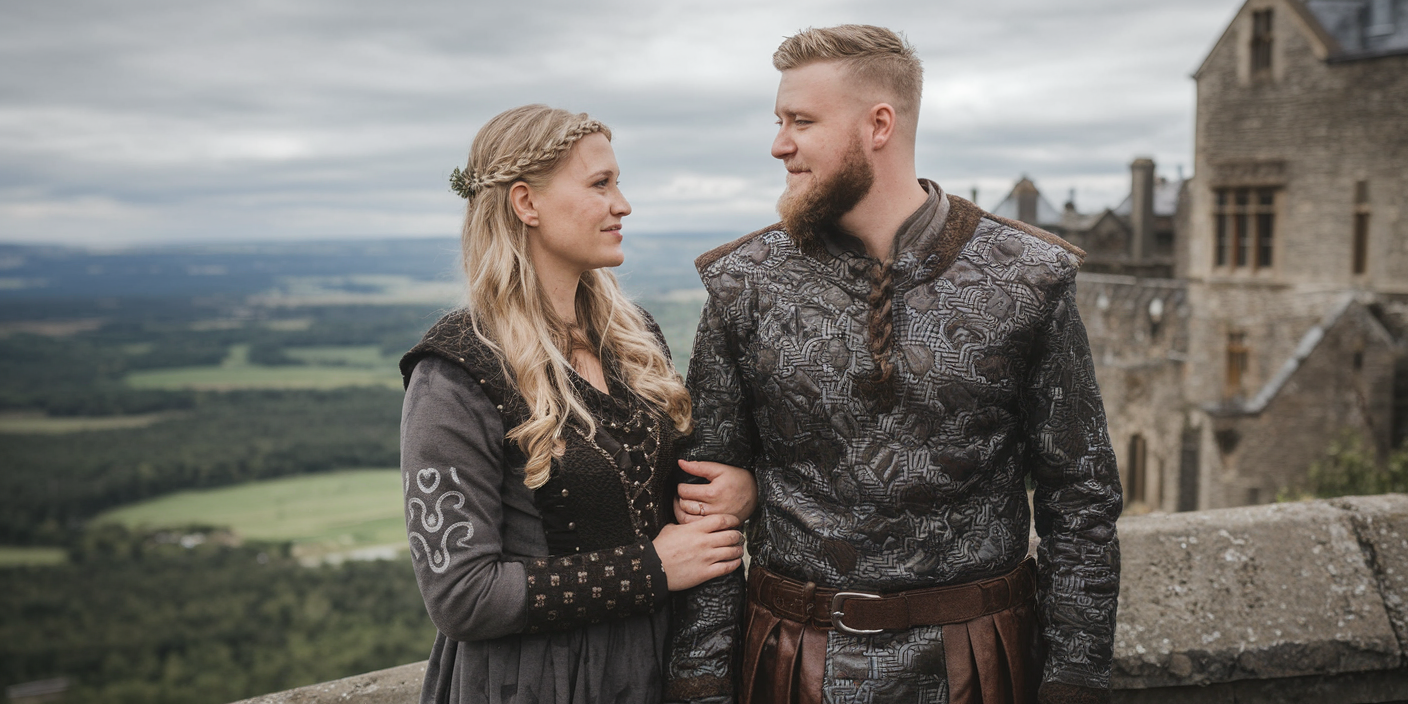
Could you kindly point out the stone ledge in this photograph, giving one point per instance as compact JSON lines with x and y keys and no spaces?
{"x":396,"y":685}
{"x":1286,"y":602}
{"x":1263,"y":592}
{"x":1357,"y":687}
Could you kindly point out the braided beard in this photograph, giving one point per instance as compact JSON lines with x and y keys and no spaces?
{"x":812,"y":213}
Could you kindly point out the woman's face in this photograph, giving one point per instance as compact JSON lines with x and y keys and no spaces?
{"x":575,"y":224}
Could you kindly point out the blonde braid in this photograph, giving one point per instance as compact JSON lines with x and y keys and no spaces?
{"x":880,"y":325}
{"x":472,"y":182}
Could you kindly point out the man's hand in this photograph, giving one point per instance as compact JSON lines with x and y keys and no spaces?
{"x":731,"y":490}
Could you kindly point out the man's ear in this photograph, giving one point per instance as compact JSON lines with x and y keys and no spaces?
{"x":881,"y":122}
{"x":520,"y":195}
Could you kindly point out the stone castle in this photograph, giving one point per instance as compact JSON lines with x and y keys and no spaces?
{"x":1244,"y":319}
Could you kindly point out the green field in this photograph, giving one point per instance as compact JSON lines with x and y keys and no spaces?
{"x":328,"y":514}
{"x":11,"y":556}
{"x":365,"y":356}
{"x":36,"y":423}
{"x":329,"y":368}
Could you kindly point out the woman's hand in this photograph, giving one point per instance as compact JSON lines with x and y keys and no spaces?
{"x":731,"y":490}
{"x":693,"y":554}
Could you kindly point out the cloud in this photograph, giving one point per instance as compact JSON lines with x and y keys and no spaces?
{"x":157,"y":120}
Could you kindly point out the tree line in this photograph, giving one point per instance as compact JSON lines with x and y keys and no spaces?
{"x":137,"y":618}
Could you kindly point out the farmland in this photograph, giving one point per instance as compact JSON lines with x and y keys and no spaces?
{"x":335,"y":513}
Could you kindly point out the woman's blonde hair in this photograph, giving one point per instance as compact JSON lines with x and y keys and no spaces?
{"x":507,"y":305}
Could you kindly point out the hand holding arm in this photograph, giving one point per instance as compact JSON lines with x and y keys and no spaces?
{"x":696,"y":553}
{"x":731,"y":490}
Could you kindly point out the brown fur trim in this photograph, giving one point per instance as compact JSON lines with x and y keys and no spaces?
{"x":962,"y":222}
{"x":722,"y":251}
{"x":1041,"y":234}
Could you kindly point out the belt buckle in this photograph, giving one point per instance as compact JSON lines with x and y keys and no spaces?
{"x":838,"y":604}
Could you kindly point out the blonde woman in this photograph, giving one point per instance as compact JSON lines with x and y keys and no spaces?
{"x":538,"y":441}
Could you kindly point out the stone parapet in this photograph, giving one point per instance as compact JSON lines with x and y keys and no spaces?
{"x":1258,"y":603}
{"x":1284,"y":602}
{"x":396,"y":685}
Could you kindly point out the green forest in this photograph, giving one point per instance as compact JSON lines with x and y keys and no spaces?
{"x":140,"y":399}
{"x":139,"y":618}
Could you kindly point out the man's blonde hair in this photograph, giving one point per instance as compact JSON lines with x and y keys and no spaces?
{"x":872,"y":56}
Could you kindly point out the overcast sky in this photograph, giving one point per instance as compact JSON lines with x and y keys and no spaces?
{"x":148,"y":121}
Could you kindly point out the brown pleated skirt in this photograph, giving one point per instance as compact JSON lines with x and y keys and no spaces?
{"x":990,"y":660}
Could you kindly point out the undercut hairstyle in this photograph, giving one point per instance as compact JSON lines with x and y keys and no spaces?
{"x":872,"y":56}
{"x":509,"y":310}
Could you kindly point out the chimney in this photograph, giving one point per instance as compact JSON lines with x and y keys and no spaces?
{"x":1027,"y":194}
{"x":1141,"y":212}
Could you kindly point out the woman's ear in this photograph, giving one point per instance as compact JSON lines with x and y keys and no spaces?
{"x":521,"y":196}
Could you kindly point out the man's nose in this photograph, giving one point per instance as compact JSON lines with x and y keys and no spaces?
{"x":782,"y":145}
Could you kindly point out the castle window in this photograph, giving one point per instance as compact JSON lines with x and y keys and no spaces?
{"x":1245,"y":228}
{"x":1261,"y":41}
{"x":1237,"y":362}
{"x":1220,"y":246}
{"x":1138,"y":489}
{"x":1361,"y":227}
{"x":1265,"y":222}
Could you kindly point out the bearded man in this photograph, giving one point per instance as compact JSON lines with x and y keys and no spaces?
{"x":896,"y":366}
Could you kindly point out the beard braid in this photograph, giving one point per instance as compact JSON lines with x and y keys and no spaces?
{"x":809,"y":215}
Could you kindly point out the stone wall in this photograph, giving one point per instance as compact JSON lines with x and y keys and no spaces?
{"x":1312,"y":129}
{"x":1344,"y":384}
{"x":1138,"y":331}
{"x":1315,"y":127}
{"x":1287,"y":602}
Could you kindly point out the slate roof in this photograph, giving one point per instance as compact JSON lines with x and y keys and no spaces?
{"x":1046,"y":213}
{"x":1363,"y":28}
{"x":1165,"y":199}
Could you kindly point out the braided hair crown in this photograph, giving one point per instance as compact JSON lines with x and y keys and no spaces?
{"x":476,"y":179}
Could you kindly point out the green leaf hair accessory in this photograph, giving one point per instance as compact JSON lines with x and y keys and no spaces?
{"x":464,"y":183}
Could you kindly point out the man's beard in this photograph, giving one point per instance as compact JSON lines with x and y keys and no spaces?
{"x":810,"y":214}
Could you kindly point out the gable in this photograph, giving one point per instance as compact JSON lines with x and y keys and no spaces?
{"x":1321,"y":42}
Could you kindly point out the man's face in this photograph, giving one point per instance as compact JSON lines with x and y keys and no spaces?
{"x":818,"y":140}
{"x":817,"y":117}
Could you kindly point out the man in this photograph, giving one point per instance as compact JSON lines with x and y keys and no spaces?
{"x":896,"y":365}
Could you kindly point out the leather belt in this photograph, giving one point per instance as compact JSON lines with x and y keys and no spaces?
{"x":866,"y":613}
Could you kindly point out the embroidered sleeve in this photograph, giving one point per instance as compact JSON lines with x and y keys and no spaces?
{"x":1077,"y":500}
{"x":452,"y":474}
{"x":706,"y":628}
{"x":571,"y":591}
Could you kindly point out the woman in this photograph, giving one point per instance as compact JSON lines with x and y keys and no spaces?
{"x":538,"y":440}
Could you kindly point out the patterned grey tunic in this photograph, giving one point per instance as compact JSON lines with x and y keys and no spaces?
{"x":995,"y":386}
